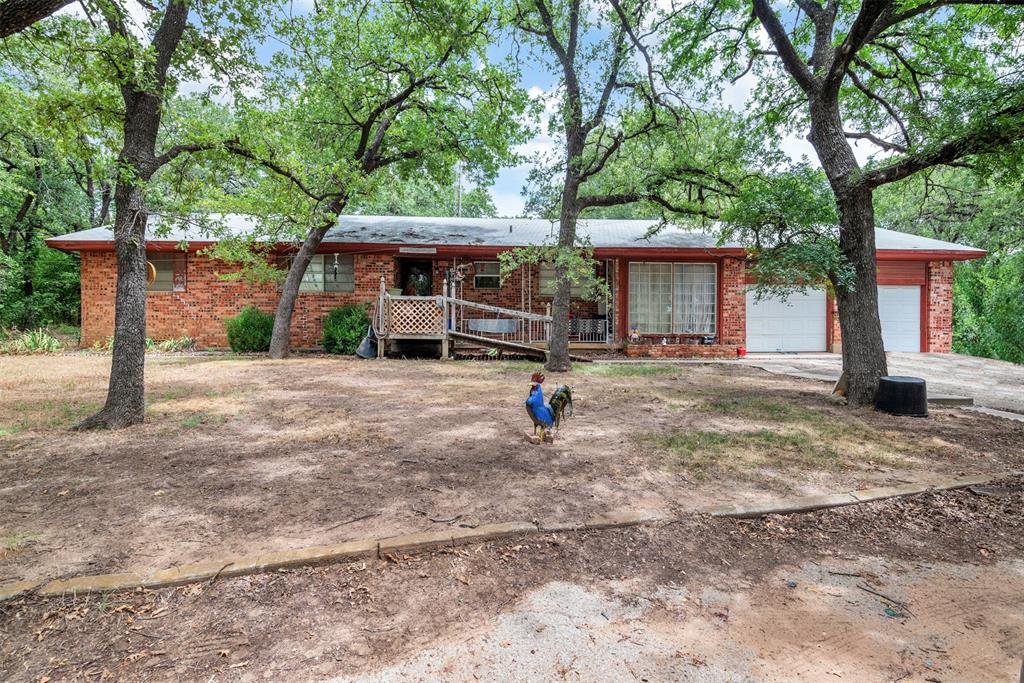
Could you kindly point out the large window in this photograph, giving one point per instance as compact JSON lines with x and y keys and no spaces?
{"x":166,"y":271}
{"x":327,"y":273}
{"x":673,"y":298}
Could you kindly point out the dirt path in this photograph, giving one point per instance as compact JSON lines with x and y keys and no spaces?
{"x":697,"y":600}
{"x":241,"y":456}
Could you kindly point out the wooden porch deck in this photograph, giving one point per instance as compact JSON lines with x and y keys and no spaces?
{"x":444,"y":319}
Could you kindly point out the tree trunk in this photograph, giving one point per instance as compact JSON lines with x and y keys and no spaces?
{"x":558,"y":345}
{"x":126,"y":403}
{"x":27,"y":291}
{"x":279,"y":346}
{"x":863,"y":351}
{"x":137,"y":162}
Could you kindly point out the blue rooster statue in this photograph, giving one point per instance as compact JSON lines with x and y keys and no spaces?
{"x":547,"y":417}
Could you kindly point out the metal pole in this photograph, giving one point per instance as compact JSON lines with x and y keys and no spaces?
{"x":382,"y":341}
{"x":444,"y":319}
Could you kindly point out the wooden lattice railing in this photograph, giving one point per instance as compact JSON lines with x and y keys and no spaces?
{"x":414,"y":316}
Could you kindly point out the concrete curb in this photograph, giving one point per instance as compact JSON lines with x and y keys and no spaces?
{"x":1016,"y":417}
{"x":429,"y":540}
{"x":809,"y":503}
{"x":315,"y":555}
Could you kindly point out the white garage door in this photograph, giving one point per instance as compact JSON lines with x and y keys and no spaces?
{"x":899,"y":309}
{"x":796,"y":324}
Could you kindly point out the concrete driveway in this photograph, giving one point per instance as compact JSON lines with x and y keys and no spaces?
{"x":992,"y":383}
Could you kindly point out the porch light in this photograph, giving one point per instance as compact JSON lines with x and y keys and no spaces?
{"x":417,"y":250}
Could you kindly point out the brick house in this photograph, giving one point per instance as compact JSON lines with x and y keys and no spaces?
{"x":679,"y":292}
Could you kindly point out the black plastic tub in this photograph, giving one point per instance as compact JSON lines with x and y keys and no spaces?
{"x":902,"y":396}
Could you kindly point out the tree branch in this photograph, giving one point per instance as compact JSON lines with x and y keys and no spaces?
{"x":861,"y":31}
{"x":787,"y":52}
{"x":174,"y":152}
{"x":17,"y":15}
{"x":239,"y":150}
{"x":872,"y":95}
{"x":874,"y":139}
{"x":983,"y":141}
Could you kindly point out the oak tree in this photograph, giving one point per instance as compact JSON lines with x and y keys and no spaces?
{"x":362,"y":94}
{"x":922,"y":82}
{"x":625,"y":136}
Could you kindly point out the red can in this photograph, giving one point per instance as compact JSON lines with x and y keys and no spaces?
{"x":741,"y":351}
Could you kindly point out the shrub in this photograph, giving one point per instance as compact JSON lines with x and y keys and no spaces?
{"x":184,"y":343}
{"x":250,"y":330}
{"x":344,"y":328}
{"x":32,"y":341}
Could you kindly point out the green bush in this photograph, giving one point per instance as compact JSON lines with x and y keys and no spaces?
{"x":344,"y":328}
{"x":184,"y":343}
{"x":31,"y":341}
{"x":250,"y":330}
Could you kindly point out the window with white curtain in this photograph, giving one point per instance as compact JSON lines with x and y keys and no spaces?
{"x":673,"y":298}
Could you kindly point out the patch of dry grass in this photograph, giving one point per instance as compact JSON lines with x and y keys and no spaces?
{"x":746,"y":432}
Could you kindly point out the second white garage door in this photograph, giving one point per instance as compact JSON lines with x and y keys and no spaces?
{"x":797,"y":324}
{"x":899,"y":309}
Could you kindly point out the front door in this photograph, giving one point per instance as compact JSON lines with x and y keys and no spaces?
{"x":416,"y":278}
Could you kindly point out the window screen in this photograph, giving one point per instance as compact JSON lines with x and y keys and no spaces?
{"x":339,"y":273}
{"x":487,"y":275}
{"x":673,"y":298}
{"x":547,"y":283}
{"x":313,"y":278}
{"x":326,"y":273}
{"x":170,"y":271}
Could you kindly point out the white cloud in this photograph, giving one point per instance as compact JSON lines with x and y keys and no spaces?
{"x":508,"y":204}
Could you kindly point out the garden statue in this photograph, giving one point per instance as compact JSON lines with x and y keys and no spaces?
{"x":547,"y":417}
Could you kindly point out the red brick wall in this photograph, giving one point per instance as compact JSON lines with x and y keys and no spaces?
{"x":733,"y":304}
{"x":681,"y":350}
{"x":199,"y":312}
{"x":940,"y":306}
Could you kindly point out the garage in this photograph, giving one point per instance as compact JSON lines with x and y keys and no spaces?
{"x":899,"y":309}
{"x":796,"y":324}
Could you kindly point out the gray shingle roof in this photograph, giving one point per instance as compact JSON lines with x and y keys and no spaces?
{"x":494,"y":232}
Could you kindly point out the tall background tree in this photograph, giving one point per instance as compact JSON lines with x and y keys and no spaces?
{"x":177,"y":41}
{"x":56,"y":171}
{"x":981,"y":209}
{"x":425,"y":196}
{"x":365,"y":93}
{"x":624,"y":135}
{"x":925,"y":83}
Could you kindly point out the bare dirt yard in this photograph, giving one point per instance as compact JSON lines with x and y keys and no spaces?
{"x":928,"y":588}
{"x":244,"y":455}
